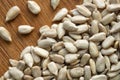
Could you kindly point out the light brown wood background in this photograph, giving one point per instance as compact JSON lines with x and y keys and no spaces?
{"x":13,"y":49}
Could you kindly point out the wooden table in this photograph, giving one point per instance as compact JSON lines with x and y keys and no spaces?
{"x":13,"y":49}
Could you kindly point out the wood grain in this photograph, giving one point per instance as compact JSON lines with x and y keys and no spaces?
{"x":13,"y":49}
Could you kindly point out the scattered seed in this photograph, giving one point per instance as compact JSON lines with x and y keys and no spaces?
{"x":55,"y":3}
{"x":25,"y":29}
{"x":12,"y":13}
{"x":33,"y":7}
{"x":4,"y":34}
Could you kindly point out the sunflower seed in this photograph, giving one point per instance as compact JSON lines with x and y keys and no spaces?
{"x":57,"y":46}
{"x":99,"y":77}
{"x":107,"y":62}
{"x":57,"y":58}
{"x":108,"y":51}
{"x":98,"y":37}
{"x":33,"y":7}
{"x":60,"y":15}
{"x":113,"y":58}
{"x":69,"y":58}
{"x":12,"y":13}
{"x":36,"y":71}
{"x":108,"y":18}
{"x":108,"y":42}
{"x":93,"y":50}
{"x":97,"y":15}
{"x":100,"y":63}
{"x":53,"y":68}
{"x":78,"y":19}
{"x":55,"y":3}
{"x":70,"y":47}
{"x":99,"y":3}
{"x":60,"y":31}
{"x":13,"y":62}
{"x":68,"y":39}
{"x":115,"y":67}
{"x":115,"y":28}
{"x":27,"y":71}
{"x":92,"y":66}
{"x":87,"y":74}
{"x":41,"y":52}
{"x":113,"y":7}
{"x":94,"y":27}
{"x":81,"y":29}
{"x":77,"y":72}
{"x":69,"y":26}
{"x":39,"y":78}
{"x":4,"y":34}
{"x":83,"y":10}
{"x":25,"y":29}
{"x":27,"y":77}
{"x":16,"y":73}
{"x":85,"y":58}
{"x":62,"y":73}
{"x":28,"y":59}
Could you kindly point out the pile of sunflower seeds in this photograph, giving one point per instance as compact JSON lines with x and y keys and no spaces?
{"x":84,"y":45}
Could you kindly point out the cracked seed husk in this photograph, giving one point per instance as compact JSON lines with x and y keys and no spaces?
{"x":4,"y":34}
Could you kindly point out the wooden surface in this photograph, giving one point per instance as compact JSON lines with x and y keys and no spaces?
{"x":13,"y":49}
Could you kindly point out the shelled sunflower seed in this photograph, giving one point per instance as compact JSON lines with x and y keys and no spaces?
{"x":83,"y":45}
